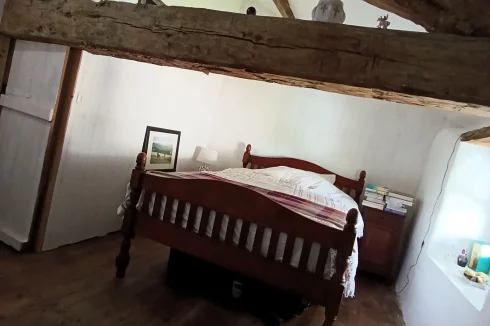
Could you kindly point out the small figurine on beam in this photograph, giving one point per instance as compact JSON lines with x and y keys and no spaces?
{"x":383,"y":22}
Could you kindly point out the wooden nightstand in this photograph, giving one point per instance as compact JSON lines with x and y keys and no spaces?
{"x":379,"y":247}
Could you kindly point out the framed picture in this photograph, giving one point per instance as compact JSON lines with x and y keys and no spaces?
{"x":162,"y":149}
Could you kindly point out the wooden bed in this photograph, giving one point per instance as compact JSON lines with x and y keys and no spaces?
{"x":251,"y":207}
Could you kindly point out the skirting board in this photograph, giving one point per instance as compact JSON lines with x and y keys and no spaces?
{"x":11,"y":239}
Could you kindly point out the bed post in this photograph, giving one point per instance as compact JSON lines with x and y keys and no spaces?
{"x":334,"y":300}
{"x":362,"y":177}
{"x":129,"y":221}
{"x":362,"y":181}
{"x":246,"y":155}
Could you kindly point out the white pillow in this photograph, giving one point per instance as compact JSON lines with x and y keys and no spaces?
{"x":296,"y":177}
{"x":329,"y":177}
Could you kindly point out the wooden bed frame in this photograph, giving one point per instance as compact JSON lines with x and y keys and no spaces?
{"x":251,"y":207}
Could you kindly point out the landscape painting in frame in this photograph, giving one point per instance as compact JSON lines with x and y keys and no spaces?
{"x":162,"y":149}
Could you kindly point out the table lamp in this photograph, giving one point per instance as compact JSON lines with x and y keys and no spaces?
{"x":206,"y":157}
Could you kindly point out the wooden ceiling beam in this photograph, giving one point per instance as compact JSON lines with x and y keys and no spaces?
{"x":156,"y":2}
{"x":440,"y":71}
{"x":464,"y":17}
{"x":475,"y":135}
{"x":284,"y":8}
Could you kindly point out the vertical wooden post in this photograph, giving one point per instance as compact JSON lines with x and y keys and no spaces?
{"x":6,"y":53}
{"x":362,"y":178}
{"x":54,"y":150}
{"x":334,"y":300}
{"x":130,"y":215}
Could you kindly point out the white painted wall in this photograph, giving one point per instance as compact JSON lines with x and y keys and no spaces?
{"x":426,"y":299}
{"x":464,"y":213}
{"x":344,"y":133}
{"x":116,"y":100}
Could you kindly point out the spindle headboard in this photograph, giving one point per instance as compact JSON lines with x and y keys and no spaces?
{"x":351,"y":187}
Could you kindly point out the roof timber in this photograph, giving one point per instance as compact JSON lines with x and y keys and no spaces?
{"x":442,"y":71}
{"x":284,"y":8}
{"x":481,"y":135}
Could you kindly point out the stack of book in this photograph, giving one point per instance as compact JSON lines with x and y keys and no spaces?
{"x":398,"y":203}
{"x":375,"y":196}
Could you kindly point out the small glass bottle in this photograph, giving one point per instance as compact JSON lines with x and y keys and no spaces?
{"x":462,"y":259}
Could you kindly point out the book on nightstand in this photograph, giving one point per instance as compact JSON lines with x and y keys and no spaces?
{"x":371,"y":187}
{"x":400,"y":196}
{"x":371,"y":191}
{"x":395,"y":211}
{"x":398,"y":203}
{"x":373,"y":205}
{"x":375,"y":196}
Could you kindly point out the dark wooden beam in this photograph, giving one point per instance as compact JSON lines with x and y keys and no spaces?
{"x":441,"y":71}
{"x":156,"y":2}
{"x":284,"y":8}
{"x":465,"y":17}
{"x":475,"y":135}
{"x":54,"y":150}
{"x":6,"y":53}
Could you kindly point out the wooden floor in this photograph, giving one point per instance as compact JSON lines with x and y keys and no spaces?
{"x":75,"y":285}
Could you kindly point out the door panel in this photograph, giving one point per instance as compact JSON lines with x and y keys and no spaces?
{"x":31,"y":97}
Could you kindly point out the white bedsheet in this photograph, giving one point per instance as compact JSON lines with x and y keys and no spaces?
{"x":307,"y":185}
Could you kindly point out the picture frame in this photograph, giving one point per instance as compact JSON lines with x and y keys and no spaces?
{"x":162,"y":149}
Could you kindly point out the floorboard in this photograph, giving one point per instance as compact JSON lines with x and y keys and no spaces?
{"x":75,"y":285}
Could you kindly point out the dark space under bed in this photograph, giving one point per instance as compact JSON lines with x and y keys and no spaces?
{"x":202,"y":277}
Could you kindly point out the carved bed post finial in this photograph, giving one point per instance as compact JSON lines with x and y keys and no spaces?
{"x":246,"y":155}
{"x":360,"y":187}
{"x":141,"y":161}
{"x":362,"y":175}
{"x":351,"y":220}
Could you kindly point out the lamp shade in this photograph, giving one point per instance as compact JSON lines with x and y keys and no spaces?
{"x":207,"y":156}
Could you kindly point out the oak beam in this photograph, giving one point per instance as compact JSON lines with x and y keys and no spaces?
{"x":441,"y":71}
{"x":6,"y":52}
{"x":468,"y":17}
{"x":156,"y":2}
{"x":284,"y":8}
{"x":475,"y":135}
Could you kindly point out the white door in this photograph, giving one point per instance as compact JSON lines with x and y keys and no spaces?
{"x":25,"y":122}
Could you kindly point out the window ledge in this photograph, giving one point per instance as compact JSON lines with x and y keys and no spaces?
{"x":473,"y":292}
